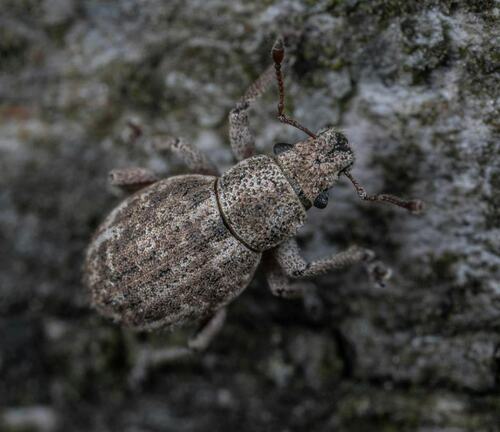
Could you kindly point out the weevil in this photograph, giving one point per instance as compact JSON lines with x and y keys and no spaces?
{"x":179,"y":250}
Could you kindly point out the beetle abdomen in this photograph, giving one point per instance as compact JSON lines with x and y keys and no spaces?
{"x":164,"y":256}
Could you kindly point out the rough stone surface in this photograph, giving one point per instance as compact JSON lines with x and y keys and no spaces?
{"x":414,"y":87}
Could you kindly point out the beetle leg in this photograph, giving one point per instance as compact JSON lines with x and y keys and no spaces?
{"x":149,"y":359}
{"x":240,"y":135}
{"x":208,"y":331}
{"x":281,"y":286}
{"x":195,"y":159}
{"x":290,"y":260}
{"x":132,"y":179}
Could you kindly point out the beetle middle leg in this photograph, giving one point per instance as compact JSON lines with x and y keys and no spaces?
{"x":279,"y":283}
{"x":281,"y":286}
{"x":194,"y":158}
{"x":240,"y":135}
{"x":295,"y":266}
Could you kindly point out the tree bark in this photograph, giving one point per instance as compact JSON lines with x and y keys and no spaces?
{"x":414,"y":87}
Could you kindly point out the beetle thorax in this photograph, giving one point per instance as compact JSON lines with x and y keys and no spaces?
{"x":258,"y":203}
{"x":316,"y":163}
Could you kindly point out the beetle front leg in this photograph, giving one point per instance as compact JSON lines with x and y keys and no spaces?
{"x":132,"y":179}
{"x":295,"y":266}
{"x":240,"y":135}
{"x":194,"y":158}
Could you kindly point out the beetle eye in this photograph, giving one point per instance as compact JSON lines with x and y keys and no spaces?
{"x":281,"y":148}
{"x":321,"y":200}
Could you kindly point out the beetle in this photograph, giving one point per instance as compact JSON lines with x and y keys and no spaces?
{"x":179,"y":250}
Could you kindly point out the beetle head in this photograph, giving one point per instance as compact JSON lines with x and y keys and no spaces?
{"x":315,"y":164}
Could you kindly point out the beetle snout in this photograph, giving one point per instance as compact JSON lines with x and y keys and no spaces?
{"x":337,"y":143}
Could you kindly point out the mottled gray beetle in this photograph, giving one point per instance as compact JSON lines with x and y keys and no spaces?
{"x":180,"y":249}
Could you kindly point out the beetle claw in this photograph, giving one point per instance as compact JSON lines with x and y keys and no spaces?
{"x":379,"y":273}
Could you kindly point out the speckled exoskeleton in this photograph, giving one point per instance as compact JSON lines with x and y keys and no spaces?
{"x":180,"y":249}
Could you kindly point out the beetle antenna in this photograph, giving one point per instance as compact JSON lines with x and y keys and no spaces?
{"x":414,"y":206}
{"x":278,"y":54}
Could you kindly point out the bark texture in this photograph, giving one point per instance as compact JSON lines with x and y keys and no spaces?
{"x":414,"y":87}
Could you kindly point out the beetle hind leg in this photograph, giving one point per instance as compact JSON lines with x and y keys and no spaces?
{"x":149,"y":359}
{"x":207,"y":332}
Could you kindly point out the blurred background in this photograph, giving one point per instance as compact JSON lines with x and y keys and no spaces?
{"x":413,"y":84}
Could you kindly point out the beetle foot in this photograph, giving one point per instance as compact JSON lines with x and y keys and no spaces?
{"x":149,"y":359}
{"x":368,"y":255}
{"x":379,"y":273}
